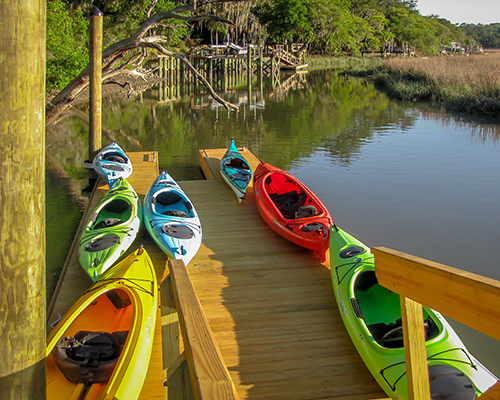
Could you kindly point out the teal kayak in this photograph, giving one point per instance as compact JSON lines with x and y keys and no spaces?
{"x":171,"y":219}
{"x":110,"y":230}
{"x":372,"y":316}
{"x":236,"y":171}
{"x":111,"y":163}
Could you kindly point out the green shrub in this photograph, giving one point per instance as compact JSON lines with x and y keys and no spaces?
{"x":67,"y":38}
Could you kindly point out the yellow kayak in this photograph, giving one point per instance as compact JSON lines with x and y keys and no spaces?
{"x":101,"y":348}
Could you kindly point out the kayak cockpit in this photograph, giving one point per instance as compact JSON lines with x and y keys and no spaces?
{"x":89,"y":349}
{"x":381,"y":311}
{"x":89,"y":356}
{"x":236,"y":163}
{"x":289,"y":198}
{"x":114,"y":213}
{"x":172,"y":204}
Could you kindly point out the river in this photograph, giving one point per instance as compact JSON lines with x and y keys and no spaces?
{"x":405,"y":176}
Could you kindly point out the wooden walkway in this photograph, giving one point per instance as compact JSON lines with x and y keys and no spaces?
{"x":269,"y":303}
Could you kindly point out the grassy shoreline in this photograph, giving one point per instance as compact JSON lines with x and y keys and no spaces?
{"x":462,"y":84}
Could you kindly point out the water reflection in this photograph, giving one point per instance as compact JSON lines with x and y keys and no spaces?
{"x":400,"y":175}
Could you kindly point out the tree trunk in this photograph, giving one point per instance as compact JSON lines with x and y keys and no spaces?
{"x":22,"y":200}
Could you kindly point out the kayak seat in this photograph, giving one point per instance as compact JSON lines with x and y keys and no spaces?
{"x":175,"y":213}
{"x":305,"y":211}
{"x":108,"y":222}
{"x":113,"y":213}
{"x":237,"y":163}
{"x":287,"y":203}
{"x":241,"y":176}
{"x":89,"y":356}
{"x":114,"y":157}
{"x":172,"y":204}
{"x":378,"y":331}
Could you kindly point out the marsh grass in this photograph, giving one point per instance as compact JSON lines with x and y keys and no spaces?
{"x":342,"y":63}
{"x":463,"y":83}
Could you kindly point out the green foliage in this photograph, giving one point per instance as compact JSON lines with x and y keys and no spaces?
{"x":286,"y":20}
{"x":123,"y":18}
{"x":67,"y":37}
{"x":487,"y":35}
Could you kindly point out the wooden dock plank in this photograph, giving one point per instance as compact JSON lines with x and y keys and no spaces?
{"x":269,"y":303}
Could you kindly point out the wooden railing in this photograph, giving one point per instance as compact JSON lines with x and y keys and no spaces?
{"x":471,"y":299}
{"x":195,"y":367}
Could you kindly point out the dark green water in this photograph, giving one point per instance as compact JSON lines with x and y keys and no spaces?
{"x":395,"y":175}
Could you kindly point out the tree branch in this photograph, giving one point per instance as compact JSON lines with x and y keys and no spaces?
{"x":116,"y":52}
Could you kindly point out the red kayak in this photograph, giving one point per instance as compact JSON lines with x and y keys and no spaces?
{"x":291,"y":209}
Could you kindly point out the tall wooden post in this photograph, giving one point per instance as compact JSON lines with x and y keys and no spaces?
{"x":22,"y":200}
{"x":95,"y":111}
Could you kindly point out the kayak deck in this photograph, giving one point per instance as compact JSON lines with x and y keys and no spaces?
{"x":74,"y":280}
{"x":269,"y":302}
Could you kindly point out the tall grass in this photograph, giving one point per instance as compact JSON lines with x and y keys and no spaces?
{"x":342,"y":63}
{"x":462,"y":83}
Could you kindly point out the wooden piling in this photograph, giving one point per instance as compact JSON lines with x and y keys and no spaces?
{"x":95,"y":110}
{"x":22,"y":200}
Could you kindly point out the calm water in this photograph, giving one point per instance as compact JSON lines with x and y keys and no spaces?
{"x":393,"y":175}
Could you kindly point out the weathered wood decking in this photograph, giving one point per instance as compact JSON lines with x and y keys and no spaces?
{"x":269,"y":303}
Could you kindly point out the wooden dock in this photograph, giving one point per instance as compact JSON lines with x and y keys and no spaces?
{"x":269,"y":303}
{"x":75,"y":281}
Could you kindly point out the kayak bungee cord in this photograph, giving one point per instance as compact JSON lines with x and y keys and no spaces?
{"x":393,"y":386}
{"x":133,"y":283}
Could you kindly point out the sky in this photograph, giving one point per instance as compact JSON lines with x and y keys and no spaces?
{"x":457,"y":11}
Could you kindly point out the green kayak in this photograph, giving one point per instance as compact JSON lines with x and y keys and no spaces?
{"x":372,"y":316}
{"x":110,"y":230}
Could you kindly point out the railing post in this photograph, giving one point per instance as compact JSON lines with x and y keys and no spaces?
{"x":95,"y":88}
{"x":415,"y":351}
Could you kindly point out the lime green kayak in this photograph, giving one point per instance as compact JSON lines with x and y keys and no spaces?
{"x":372,"y":316}
{"x":111,"y":229}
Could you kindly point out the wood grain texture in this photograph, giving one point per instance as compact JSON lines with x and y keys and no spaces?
{"x":471,"y":299}
{"x":22,"y":199}
{"x":269,"y":303}
{"x":492,"y":394}
{"x":210,"y":378}
{"x":417,"y":371}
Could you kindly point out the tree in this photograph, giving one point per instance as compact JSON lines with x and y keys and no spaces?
{"x":126,"y":56}
{"x":286,"y":20}
{"x":67,"y":36}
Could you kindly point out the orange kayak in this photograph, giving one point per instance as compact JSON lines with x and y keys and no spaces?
{"x":291,"y":209}
{"x":102,"y":347}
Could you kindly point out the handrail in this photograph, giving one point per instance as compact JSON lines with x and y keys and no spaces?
{"x":208,"y":374}
{"x":463,"y":296}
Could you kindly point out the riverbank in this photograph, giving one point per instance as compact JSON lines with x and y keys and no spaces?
{"x":344,"y":63}
{"x":462,"y":84}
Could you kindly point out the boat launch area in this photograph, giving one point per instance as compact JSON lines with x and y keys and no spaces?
{"x":267,"y":303}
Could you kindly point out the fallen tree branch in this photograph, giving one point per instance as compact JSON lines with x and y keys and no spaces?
{"x":116,"y":52}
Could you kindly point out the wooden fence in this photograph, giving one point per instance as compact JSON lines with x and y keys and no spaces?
{"x":463,"y":296}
